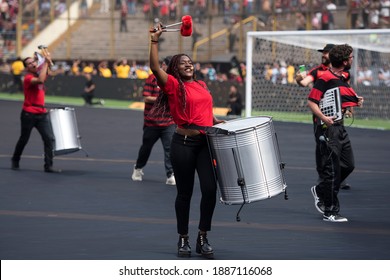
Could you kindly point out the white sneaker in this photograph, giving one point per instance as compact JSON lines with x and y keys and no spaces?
{"x":102,"y":101}
{"x":137,"y":174}
{"x":336,"y":218}
{"x":171,"y":180}
{"x":317,"y":202}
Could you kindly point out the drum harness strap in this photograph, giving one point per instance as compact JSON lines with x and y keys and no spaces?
{"x":39,"y":106}
{"x":208,"y":129}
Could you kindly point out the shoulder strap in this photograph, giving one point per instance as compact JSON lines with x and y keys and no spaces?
{"x":208,"y":129}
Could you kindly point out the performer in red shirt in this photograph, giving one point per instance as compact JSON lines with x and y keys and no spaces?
{"x":191,"y":106}
{"x":34,"y":113}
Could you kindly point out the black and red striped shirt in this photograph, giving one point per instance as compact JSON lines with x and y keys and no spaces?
{"x":317,"y":71}
{"x":329,"y":80}
{"x":156,"y":119}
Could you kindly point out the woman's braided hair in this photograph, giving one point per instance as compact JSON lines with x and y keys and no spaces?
{"x":161,"y":105}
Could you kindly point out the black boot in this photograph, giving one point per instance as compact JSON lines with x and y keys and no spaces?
{"x":15,"y":165}
{"x":50,"y":169}
{"x":183,"y":247}
{"x":203,"y":247}
{"x":345,"y":186}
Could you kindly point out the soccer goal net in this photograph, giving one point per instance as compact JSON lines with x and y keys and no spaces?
{"x":272,"y":59}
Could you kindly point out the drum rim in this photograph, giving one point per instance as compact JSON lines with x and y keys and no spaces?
{"x":221,"y":125}
{"x":61,"y":108}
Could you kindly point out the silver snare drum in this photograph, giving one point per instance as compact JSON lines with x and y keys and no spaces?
{"x":247,"y":160}
{"x":66,"y":133}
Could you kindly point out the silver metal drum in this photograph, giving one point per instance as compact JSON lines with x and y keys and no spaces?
{"x":66,"y":133}
{"x":247,"y":160}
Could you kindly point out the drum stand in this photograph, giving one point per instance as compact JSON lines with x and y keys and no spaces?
{"x":240,"y":181}
{"x":281,"y":165}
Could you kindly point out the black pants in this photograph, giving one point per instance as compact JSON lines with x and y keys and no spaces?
{"x":337,"y":163}
{"x":189,"y":155}
{"x":42,"y":123}
{"x":150,"y":136}
{"x":88,"y":97}
{"x":235,"y":109}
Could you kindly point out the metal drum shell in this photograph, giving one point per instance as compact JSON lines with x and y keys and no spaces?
{"x":65,"y":130}
{"x":249,"y":155}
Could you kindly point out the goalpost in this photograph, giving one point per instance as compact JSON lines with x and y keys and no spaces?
{"x":269,"y":93}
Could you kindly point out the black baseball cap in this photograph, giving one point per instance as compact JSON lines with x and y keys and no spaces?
{"x":327,"y":48}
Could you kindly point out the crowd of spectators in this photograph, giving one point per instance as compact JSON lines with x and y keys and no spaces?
{"x":363,"y":13}
{"x":134,"y":70}
{"x":374,"y":77}
{"x":279,"y":72}
{"x":283,"y":73}
{"x":31,"y":23}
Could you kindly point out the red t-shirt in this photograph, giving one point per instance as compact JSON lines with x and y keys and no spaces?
{"x":199,"y":103}
{"x":34,"y":96}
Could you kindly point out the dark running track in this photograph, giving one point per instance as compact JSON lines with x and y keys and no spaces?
{"x":92,"y":210}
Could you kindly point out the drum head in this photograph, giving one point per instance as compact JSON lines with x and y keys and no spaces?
{"x":243,"y":123}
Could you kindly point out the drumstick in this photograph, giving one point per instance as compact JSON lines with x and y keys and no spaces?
{"x":185,"y":29}
{"x":45,"y":53}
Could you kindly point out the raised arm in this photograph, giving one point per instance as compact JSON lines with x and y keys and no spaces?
{"x":44,"y":72}
{"x":303,"y":80}
{"x":160,"y":74}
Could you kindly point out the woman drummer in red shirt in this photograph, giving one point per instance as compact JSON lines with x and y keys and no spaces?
{"x":191,"y":105}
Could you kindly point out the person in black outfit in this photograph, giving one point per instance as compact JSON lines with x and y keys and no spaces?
{"x":89,"y":90}
{"x":191,"y":106}
{"x":234,"y":102}
{"x":332,"y":140}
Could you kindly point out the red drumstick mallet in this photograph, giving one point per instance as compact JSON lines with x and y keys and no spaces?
{"x":186,"y":26}
{"x":185,"y":29}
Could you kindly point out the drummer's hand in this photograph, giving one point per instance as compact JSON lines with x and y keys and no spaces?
{"x":348,"y":113}
{"x":329,"y":121}
{"x":300,"y":76}
{"x":217,"y":121}
{"x":154,"y":35}
{"x":361,"y":100}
